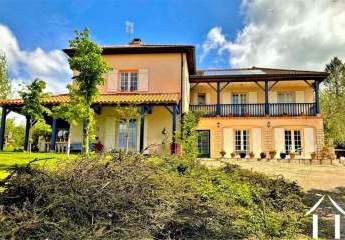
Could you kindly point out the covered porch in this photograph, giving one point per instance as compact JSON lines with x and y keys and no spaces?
{"x":146,"y":104}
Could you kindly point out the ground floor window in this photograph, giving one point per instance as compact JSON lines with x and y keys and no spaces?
{"x":204,"y":143}
{"x":242,"y":141}
{"x":293,"y":142}
{"x":129,"y":134}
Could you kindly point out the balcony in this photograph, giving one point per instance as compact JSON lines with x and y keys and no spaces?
{"x":256,"y":110}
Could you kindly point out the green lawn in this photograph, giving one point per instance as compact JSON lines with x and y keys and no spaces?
{"x":8,"y":159}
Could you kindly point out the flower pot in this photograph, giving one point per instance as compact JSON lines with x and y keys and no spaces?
{"x":282,"y":155}
{"x":243,"y":155}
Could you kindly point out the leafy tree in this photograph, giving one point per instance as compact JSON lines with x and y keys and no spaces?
{"x":14,"y":134}
{"x":33,"y":108}
{"x":5,"y":86}
{"x":333,"y":101}
{"x":88,"y":62}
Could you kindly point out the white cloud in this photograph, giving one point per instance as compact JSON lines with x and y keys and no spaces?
{"x":24,"y":66}
{"x":280,"y":33}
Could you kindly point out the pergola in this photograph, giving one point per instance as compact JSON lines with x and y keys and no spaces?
{"x":144,"y":101}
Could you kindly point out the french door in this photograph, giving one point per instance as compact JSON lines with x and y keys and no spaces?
{"x":204,"y":143}
{"x":127,"y":136}
{"x":239,"y":100}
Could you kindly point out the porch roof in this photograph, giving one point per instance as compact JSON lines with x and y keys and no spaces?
{"x":107,"y":99}
{"x":255,"y":74}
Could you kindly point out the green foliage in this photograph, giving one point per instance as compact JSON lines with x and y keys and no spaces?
{"x":33,"y":95}
{"x":87,"y":61}
{"x":333,"y":101}
{"x":188,"y":138}
{"x":14,"y":135}
{"x":130,"y":197}
{"x":5,"y":86}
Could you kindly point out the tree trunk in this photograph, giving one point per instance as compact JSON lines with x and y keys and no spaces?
{"x":85,"y":149}
{"x":30,"y":138}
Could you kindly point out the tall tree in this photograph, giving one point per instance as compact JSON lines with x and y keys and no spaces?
{"x":33,"y":95}
{"x":5,"y":86}
{"x":88,"y":62}
{"x":333,"y":101}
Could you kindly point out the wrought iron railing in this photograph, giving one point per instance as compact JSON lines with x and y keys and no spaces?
{"x":256,"y":110}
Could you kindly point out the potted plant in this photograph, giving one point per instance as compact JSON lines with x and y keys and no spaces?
{"x":233,"y":155}
{"x":242,"y":155}
{"x":251,"y":155}
{"x":273,"y":154}
{"x":262,"y":155}
{"x":292,"y":155}
{"x":313,"y":155}
{"x":222,"y":153}
{"x":282,"y":155}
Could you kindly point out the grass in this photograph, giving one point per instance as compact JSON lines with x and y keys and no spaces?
{"x":9,"y":159}
{"x":321,"y":177}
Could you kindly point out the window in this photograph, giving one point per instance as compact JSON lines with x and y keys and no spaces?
{"x":242,"y":141}
{"x":201,"y":99}
{"x":293,"y":141}
{"x":285,"y":97}
{"x":204,"y":143}
{"x":132,"y":135}
{"x":129,"y":81}
{"x":239,"y":98}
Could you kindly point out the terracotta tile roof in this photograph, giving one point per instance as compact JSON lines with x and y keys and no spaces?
{"x":128,"y":98}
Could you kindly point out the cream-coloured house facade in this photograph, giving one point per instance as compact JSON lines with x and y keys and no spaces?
{"x":244,"y":110}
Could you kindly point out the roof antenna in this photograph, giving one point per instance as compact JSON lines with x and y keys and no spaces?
{"x":129,"y":29}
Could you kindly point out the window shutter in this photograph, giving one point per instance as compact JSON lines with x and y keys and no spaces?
{"x":309,"y":142}
{"x":109,"y":135}
{"x":253,"y":97}
{"x":256,"y":139}
{"x":272,"y":97}
{"x":299,"y":96}
{"x":228,"y":141}
{"x":279,"y":140}
{"x":143,"y":84}
{"x":208,"y":98}
{"x":112,"y":80}
{"x":226,"y":98}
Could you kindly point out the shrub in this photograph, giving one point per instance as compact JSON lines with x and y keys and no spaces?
{"x":133,"y":197}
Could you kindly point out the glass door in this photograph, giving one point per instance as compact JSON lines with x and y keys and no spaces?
{"x":127,"y":137}
{"x":239,"y":100}
{"x":204,"y":143}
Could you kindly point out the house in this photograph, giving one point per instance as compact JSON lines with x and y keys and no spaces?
{"x":244,"y":110}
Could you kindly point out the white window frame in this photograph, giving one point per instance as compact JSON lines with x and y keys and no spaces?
{"x":242,"y":98}
{"x":239,"y":135}
{"x":294,"y":140}
{"x":129,"y":74}
{"x":286,"y":97}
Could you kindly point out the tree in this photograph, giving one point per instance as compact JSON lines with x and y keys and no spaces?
{"x":5,"y":86}
{"x":14,"y":134}
{"x":333,"y":101}
{"x":88,"y":62}
{"x":33,"y":108}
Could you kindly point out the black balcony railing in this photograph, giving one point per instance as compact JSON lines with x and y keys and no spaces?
{"x":256,"y":110}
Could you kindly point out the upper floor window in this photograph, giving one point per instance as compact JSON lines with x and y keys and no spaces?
{"x":129,"y":81}
{"x":285,"y":97}
{"x":239,"y":98}
{"x":201,"y":99}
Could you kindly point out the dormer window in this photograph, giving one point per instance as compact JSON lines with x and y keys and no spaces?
{"x":129,"y":81}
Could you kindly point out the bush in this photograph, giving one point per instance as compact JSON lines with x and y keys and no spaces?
{"x":133,"y":197}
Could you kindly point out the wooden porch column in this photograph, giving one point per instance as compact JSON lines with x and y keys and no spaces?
{"x":317,"y":96}
{"x":142,"y":128}
{"x":267,"y":107}
{"x":53,"y":136}
{"x":174,"y":113}
{"x":218,"y":98}
{"x":3,"y":126}
{"x":27,"y":133}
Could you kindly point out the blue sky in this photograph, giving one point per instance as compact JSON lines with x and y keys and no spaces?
{"x":300,"y":34}
{"x":50,"y":24}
